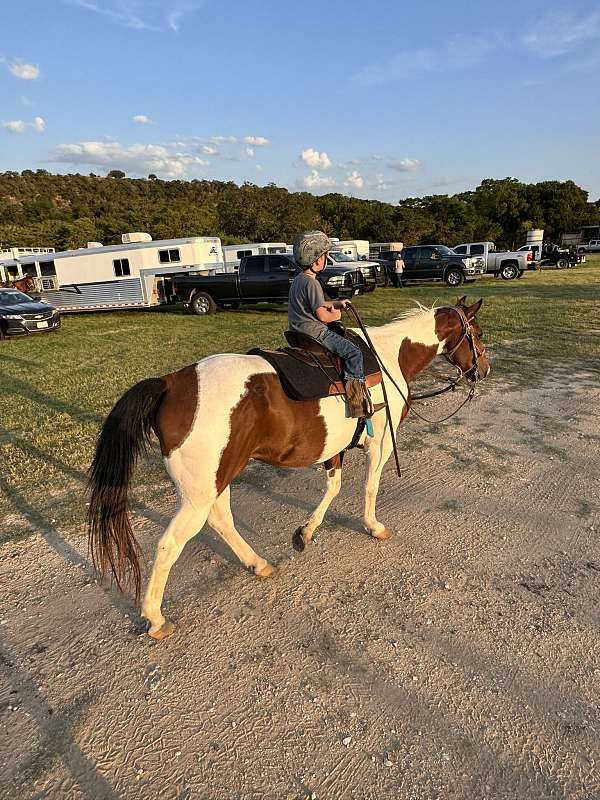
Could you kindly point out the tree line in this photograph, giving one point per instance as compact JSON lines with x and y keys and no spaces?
{"x":38,"y":208}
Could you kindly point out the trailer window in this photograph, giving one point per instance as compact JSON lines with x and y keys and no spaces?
{"x":47,"y":268}
{"x":121,"y":267}
{"x":167,"y":256}
{"x":243,"y":253}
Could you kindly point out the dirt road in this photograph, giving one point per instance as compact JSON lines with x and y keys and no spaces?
{"x":459,"y":660}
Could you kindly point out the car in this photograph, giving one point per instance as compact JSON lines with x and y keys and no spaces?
{"x":20,"y":314}
{"x":436,"y":262}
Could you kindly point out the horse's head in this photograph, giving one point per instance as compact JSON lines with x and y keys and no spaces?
{"x":460,"y":333}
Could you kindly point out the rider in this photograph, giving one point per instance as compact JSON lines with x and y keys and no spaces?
{"x":309,"y":313}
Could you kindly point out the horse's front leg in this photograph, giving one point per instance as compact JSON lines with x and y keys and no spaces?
{"x":304,"y":534}
{"x":379,"y":449}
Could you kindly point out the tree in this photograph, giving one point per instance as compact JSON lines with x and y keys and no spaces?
{"x":115,"y":173}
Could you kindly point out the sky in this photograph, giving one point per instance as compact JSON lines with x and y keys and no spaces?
{"x":380,"y":100}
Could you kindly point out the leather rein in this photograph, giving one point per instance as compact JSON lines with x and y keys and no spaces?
{"x":477,"y":350}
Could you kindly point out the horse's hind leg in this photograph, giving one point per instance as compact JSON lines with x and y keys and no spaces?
{"x":220,"y":519}
{"x":304,"y":534}
{"x":184,"y":525}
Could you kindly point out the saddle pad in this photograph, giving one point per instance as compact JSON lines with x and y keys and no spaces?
{"x":306,"y":376}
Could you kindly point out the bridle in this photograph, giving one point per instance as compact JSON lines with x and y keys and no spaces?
{"x":466,"y":333}
{"x":477,"y":349}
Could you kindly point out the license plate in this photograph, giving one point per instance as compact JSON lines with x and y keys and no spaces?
{"x":42,"y":324}
{"x":356,"y":291}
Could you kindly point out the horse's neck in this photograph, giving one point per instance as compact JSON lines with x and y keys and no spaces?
{"x":407,"y":346}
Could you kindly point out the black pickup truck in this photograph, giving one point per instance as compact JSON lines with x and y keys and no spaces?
{"x":261,"y":279}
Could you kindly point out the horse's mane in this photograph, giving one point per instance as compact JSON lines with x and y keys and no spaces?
{"x":412,"y":312}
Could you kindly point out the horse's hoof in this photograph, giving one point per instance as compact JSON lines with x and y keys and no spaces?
{"x":382,"y":535}
{"x":298,"y":541}
{"x":265,"y":572}
{"x":166,"y":629}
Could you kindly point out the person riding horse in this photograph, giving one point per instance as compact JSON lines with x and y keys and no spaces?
{"x":309,"y":313}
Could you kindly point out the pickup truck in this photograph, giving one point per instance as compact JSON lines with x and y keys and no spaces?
{"x":505,"y":264}
{"x":549,"y":256}
{"x":436,"y":262}
{"x":593,"y":246}
{"x":373,"y":272}
{"x":261,"y":279}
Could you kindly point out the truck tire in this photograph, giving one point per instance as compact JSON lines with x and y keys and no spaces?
{"x":454,"y":277}
{"x":562,"y":263}
{"x":202,"y":304}
{"x":509,"y":272}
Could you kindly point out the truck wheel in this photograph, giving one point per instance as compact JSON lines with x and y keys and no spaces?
{"x":202,"y":304}
{"x":509,"y":272}
{"x":454,"y":277}
{"x":562,"y":263}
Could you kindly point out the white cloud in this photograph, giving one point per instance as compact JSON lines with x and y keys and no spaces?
{"x":354,"y":180}
{"x":312,"y":158}
{"x":136,"y":158}
{"x":26,"y":72}
{"x":223,"y":139}
{"x":209,"y":150}
{"x":20,"y":126}
{"x":256,"y":141}
{"x":406,"y":164}
{"x":248,"y":152}
{"x":458,"y":51}
{"x":153,"y":15}
{"x":315,"y":181}
{"x":142,"y":119}
{"x":561,"y":32}
{"x":15,"y":126}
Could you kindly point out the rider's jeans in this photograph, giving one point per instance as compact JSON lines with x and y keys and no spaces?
{"x":352,"y":355}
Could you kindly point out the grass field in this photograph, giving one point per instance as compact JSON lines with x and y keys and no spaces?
{"x":56,"y":389}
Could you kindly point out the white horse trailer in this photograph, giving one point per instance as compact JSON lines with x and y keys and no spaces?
{"x":233,"y":253}
{"x":377,"y":248}
{"x":137,"y":273}
{"x":357,"y":249}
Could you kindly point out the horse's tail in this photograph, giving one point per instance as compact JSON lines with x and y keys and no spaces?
{"x":125,"y":433}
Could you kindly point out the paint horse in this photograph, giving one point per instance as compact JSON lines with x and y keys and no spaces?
{"x":213,"y":417}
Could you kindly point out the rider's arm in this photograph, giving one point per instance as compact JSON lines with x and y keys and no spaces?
{"x":328,"y":313}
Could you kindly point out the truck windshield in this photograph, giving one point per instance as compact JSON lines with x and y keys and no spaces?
{"x":336,"y":256}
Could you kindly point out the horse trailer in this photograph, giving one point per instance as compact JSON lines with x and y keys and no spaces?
{"x":233,"y":253}
{"x":135,"y":274}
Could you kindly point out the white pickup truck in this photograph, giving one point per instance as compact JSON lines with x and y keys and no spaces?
{"x":593,"y":246}
{"x":506,"y":264}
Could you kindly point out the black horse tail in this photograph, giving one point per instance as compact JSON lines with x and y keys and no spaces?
{"x":125,"y":433}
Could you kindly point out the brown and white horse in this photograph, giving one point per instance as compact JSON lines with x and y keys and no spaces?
{"x":213,"y":417}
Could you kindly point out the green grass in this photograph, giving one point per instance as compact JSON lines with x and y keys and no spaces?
{"x":56,"y":389}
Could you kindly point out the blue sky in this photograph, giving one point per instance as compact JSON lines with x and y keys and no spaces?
{"x":381,"y":100}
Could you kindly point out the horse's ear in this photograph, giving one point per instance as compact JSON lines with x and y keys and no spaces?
{"x":472,"y":310}
{"x":461,"y":301}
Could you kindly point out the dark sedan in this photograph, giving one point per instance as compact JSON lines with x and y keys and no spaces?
{"x":19,"y":314}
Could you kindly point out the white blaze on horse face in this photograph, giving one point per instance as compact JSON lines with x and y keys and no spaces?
{"x":221,"y":385}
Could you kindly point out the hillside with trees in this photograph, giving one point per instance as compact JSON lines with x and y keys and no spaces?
{"x":66,"y":211}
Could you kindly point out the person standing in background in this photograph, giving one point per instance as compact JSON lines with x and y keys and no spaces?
{"x":398,"y":268}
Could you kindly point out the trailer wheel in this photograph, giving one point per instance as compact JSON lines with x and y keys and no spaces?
{"x":454,"y":277}
{"x":509,"y":271}
{"x":202,"y":304}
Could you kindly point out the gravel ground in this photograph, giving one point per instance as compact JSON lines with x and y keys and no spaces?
{"x":460,"y":659}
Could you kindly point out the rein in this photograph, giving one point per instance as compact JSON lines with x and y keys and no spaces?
{"x":467,"y":333}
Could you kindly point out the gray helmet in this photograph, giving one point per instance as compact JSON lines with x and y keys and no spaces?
{"x":309,"y":246}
